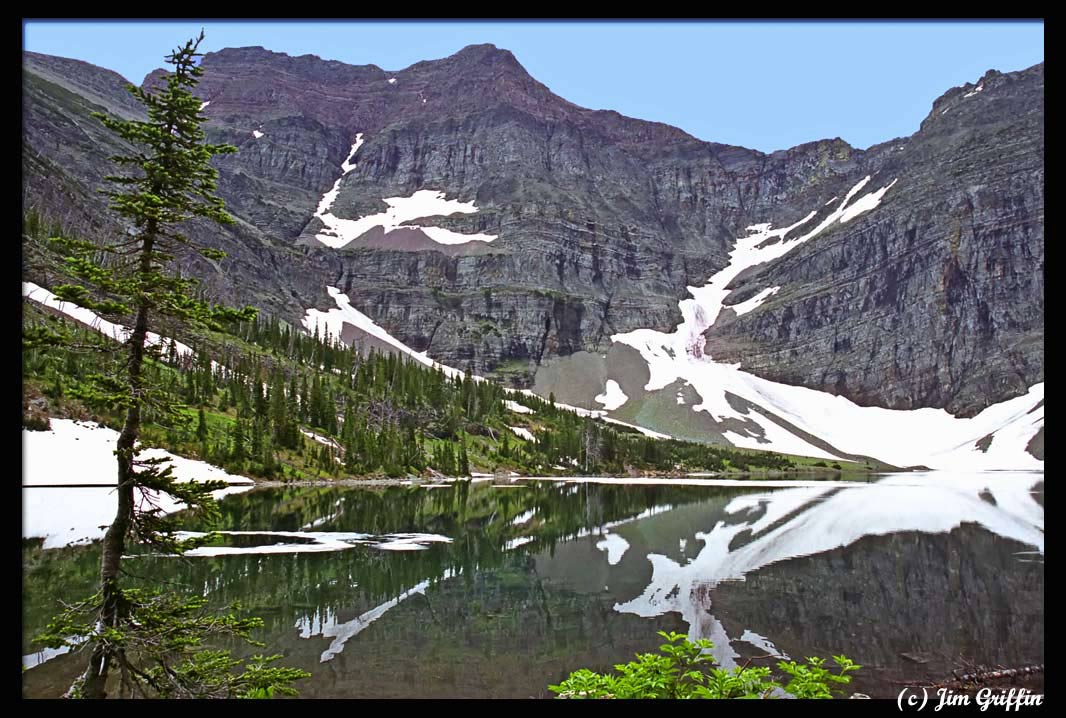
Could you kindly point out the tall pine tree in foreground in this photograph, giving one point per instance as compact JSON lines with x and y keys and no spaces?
{"x":154,"y":640}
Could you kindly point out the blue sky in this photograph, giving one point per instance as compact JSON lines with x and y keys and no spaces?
{"x":766,"y":86}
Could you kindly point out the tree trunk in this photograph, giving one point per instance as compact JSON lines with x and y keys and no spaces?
{"x":114,"y":543}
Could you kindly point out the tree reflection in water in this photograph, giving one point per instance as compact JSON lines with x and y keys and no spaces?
{"x":540,"y":580}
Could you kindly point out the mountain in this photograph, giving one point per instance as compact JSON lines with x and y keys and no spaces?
{"x":473,"y":216}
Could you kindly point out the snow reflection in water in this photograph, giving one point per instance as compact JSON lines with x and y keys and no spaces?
{"x":782,"y":525}
{"x":567,"y":553}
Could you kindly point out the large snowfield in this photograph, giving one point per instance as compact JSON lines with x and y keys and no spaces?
{"x":66,"y":473}
{"x":922,"y":437}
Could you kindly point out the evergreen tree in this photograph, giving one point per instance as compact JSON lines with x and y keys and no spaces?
{"x":173,"y":182}
{"x":260,"y":400}
{"x":201,"y":426}
{"x":237,"y":437}
{"x":278,"y":410}
{"x":257,"y":437}
{"x":464,"y":461}
{"x":305,"y":401}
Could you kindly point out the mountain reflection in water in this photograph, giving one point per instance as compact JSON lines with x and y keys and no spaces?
{"x":538,"y":581}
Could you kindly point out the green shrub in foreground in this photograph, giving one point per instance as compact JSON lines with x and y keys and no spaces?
{"x":683,"y":670}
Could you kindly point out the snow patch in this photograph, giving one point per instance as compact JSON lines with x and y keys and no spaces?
{"x":320,"y":542}
{"x":83,"y":454}
{"x":645,"y":514}
{"x":749,"y":304}
{"x":318,"y":522}
{"x":203,"y":105}
{"x":615,"y":546}
{"x":523,"y":433}
{"x":45,"y":654}
{"x":317,"y":542}
{"x":401,"y":546}
{"x":392,"y":80}
{"x":517,"y":408}
{"x":423,"y":203}
{"x":256,"y":134}
{"x":612,"y":397}
{"x":347,"y":166}
{"x":974,"y":91}
{"x":641,"y":429}
{"x":410,"y":542}
{"x":332,"y":322}
{"x":865,"y":203}
{"x":91,"y":319}
{"x":401,"y":210}
{"x":320,"y":439}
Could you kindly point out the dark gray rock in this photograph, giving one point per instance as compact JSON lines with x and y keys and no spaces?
{"x":934,"y":299}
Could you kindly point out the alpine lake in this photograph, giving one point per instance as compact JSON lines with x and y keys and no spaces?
{"x":496,"y":590}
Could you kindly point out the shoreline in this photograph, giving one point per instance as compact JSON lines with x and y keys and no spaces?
{"x":740,"y":476}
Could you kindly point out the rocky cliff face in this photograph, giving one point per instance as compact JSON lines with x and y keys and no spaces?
{"x":937,"y":298}
{"x":65,"y":156}
{"x":63,"y":148}
{"x":602,"y":221}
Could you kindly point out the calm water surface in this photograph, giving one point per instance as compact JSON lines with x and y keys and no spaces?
{"x":472,"y":590}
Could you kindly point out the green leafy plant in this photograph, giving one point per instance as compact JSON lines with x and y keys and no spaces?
{"x":812,"y":680}
{"x":684,"y":669}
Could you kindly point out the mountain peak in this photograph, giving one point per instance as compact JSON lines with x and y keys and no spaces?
{"x":474,"y":59}
{"x":996,"y":96}
{"x":479,"y":49}
{"x":485,"y":52}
